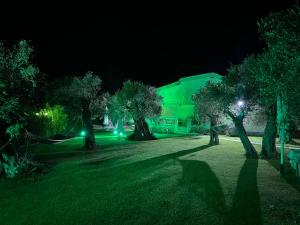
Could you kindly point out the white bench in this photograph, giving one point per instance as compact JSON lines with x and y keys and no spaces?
{"x":294,"y":157}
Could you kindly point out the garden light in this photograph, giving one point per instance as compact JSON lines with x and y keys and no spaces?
{"x":241,"y":103}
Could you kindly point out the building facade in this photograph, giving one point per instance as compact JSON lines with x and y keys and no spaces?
{"x":177,"y":104}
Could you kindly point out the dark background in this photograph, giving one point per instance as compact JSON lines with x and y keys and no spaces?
{"x":154,"y":46}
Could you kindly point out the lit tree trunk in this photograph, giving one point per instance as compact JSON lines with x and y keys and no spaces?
{"x":282,"y":125}
{"x":89,"y":140}
{"x":214,"y":136}
{"x":120,"y":127}
{"x":238,"y":123}
{"x":269,"y":139}
{"x":141,"y":130}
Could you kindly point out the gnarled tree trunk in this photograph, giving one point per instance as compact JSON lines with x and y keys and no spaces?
{"x":89,"y":140}
{"x":141,"y":130}
{"x":238,"y":123}
{"x":214,"y":136}
{"x":269,"y":139}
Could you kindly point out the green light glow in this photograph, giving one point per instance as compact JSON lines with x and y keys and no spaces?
{"x":115,"y":132}
{"x":121,"y":134}
{"x":82,"y":133}
{"x":37,"y":114}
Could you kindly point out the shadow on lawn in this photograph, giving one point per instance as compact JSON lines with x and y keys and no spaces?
{"x":155,"y":161}
{"x":202,"y":186}
{"x":202,"y":182}
{"x":246,"y":202}
{"x":198,"y":177}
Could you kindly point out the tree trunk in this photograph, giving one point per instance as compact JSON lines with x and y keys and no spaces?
{"x":214,"y":136}
{"x":282,"y":124}
{"x":288,"y":134}
{"x":269,"y":139}
{"x":238,"y":123}
{"x":89,"y":140}
{"x":141,"y":130}
{"x":120,"y":127}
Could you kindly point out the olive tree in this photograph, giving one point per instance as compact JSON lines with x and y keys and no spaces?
{"x":207,"y":107}
{"x":142,"y":102}
{"x":81,"y":95}
{"x":235,"y":100}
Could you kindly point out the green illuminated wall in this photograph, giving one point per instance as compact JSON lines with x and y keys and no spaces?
{"x":177,"y":97}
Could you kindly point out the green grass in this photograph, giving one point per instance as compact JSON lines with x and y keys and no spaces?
{"x":178,"y":180}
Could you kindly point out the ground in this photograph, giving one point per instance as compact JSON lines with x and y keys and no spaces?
{"x":177,"y":180}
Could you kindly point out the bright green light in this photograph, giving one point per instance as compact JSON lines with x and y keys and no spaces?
{"x":115,"y":132}
{"x":82,"y":133}
{"x":46,"y":114}
{"x":121,"y":134}
{"x":37,"y":114}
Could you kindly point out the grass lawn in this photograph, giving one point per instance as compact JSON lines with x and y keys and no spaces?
{"x":178,"y":180}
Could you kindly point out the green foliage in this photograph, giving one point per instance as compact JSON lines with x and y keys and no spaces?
{"x":279,"y":62}
{"x":10,"y":166}
{"x":49,"y":121}
{"x":72,"y":93}
{"x":14,"y":130}
{"x":15,"y":166}
{"x":205,"y":105}
{"x":17,"y":82}
{"x":116,"y":110}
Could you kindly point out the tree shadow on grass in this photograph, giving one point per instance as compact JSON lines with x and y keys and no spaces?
{"x":200,"y":180}
{"x":156,"y":161}
{"x":202,"y":183}
{"x":203,"y":200}
{"x":246,"y":201}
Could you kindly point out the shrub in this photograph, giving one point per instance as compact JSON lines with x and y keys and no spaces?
{"x":49,"y":121}
{"x":13,"y":166}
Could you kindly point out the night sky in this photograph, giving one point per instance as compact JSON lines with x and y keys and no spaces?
{"x":154,"y":47}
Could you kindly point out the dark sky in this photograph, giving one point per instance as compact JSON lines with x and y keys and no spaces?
{"x":154,"y":47}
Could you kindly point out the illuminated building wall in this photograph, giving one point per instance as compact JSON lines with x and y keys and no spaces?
{"x":177,"y":104}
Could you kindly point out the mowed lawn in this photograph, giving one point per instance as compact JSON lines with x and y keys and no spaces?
{"x":178,"y":180}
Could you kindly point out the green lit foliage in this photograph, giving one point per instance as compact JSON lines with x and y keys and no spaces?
{"x":117,"y":112}
{"x":142,"y":102}
{"x":49,"y":121}
{"x":17,"y":83}
{"x":208,"y":108}
{"x":115,"y":109}
{"x":13,"y":166}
